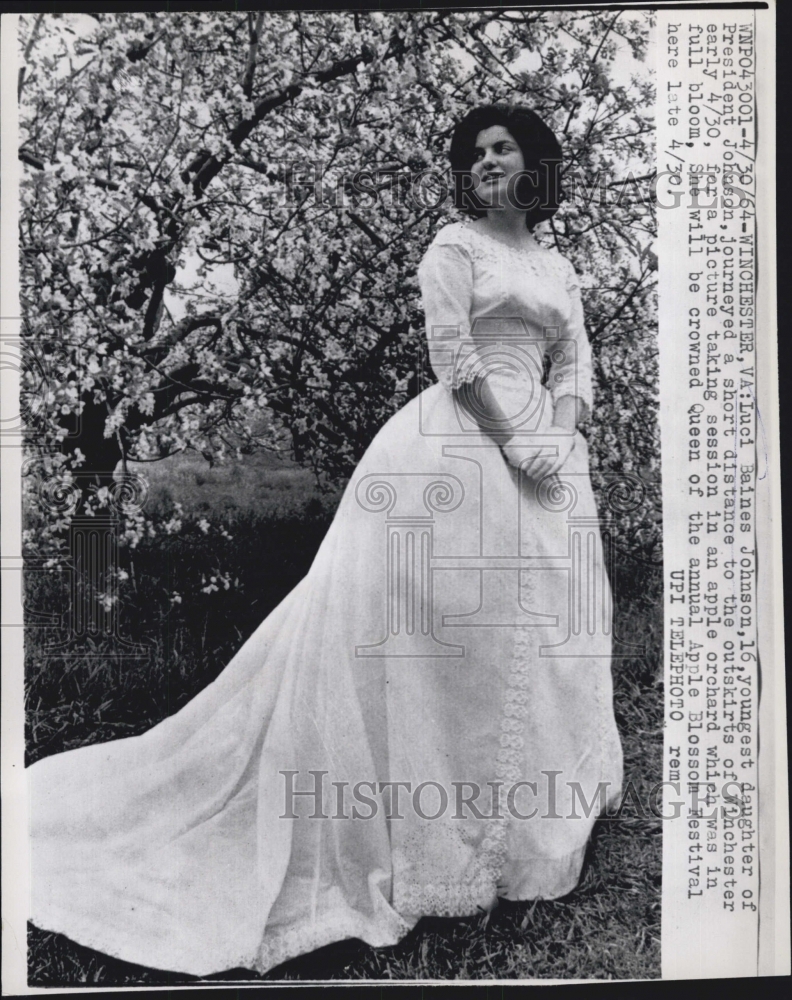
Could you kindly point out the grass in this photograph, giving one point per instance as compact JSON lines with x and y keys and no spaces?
{"x":608,"y":928}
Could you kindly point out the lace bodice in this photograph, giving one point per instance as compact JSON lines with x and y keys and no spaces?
{"x":494,"y":308}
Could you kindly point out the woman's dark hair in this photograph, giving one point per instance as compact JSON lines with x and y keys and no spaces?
{"x":539,"y":187}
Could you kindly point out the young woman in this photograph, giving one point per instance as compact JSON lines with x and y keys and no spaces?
{"x":425,"y":723}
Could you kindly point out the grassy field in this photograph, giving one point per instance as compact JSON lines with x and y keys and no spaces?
{"x":608,"y":928}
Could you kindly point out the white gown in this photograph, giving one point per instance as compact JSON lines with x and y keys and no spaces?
{"x":454,"y":628}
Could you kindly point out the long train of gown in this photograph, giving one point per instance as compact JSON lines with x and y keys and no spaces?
{"x":417,"y":649}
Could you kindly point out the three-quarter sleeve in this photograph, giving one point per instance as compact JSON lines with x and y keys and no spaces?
{"x":446,"y":278}
{"x":570,"y":371}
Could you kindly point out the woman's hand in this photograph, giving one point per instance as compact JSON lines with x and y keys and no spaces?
{"x":544,"y":457}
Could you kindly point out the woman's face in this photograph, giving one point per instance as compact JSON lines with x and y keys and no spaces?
{"x":497,"y":161}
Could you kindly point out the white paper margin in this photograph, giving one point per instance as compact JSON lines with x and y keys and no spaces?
{"x":772,"y":946}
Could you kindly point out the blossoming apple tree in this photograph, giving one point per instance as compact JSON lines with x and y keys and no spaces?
{"x":304,"y":155}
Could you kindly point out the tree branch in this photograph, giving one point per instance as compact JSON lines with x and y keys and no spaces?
{"x":208,"y":166}
{"x":250,"y":69}
{"x":28,"y":49}
{"x":34,"y":161}
{"x":367,"y":230}
{"x":140,"y":50}
{"x":31,"y":160}
{"x":615,"y":315}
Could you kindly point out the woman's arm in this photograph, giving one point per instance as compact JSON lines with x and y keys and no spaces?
{"x":570,"y":384}
{"x":478,"y":400}
{"x":554,"y":448}
{"x":542,"y":457}
{"x":568,"y":413}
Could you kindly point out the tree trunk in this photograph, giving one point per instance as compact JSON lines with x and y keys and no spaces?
{"x":102,"y":454}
